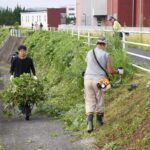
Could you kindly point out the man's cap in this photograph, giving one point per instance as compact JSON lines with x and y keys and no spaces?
{"x":110,"y":18}
{"x":101,"y":40}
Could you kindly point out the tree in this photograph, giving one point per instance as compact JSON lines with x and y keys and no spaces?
{"x":9,"y":16}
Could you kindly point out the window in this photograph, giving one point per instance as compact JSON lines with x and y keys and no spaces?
{"x":71,"y":14}
{"x":72,"y":9}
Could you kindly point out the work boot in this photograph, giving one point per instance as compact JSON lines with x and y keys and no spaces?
{"x":90,"y":123}
{"x":99,"y":119}
{"x":27,"y":112}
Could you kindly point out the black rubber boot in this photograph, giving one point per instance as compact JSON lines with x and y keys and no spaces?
{"x":99,"y":119}
{"x":90,"y":123}
{"x":27,"y":112}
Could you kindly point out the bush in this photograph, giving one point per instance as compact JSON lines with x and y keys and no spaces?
{"x":22,"y":90}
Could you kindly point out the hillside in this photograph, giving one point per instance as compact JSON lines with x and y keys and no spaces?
{"x":60,"y":60}
{"x":3,"y":34}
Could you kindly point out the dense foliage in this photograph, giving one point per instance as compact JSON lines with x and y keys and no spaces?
{"x":3,"y":34}
{"x":24,"y":90}
{"x":9,"y":16}
{"x":60,"y":60}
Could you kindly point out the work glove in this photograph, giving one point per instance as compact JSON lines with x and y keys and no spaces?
{"x":35,"y":77}
{"x":120,"y":70}
{"x":11,"y":77}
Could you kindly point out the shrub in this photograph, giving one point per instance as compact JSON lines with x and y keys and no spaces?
{"x":22,"y":90}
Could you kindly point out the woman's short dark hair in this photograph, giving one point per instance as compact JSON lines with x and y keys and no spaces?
{"x":22,"y":47}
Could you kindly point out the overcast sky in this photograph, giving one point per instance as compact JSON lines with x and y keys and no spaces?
{"x":36,"y":3}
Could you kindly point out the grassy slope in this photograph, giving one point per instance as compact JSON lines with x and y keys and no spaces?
{"x":3,"y":34}
{"x":127,"y":118}
{"x":61,"y":61}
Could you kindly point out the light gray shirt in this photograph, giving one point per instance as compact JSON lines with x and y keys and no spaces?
{"x":93,"y":70}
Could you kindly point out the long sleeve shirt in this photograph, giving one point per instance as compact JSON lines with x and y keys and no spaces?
{"x":20,"y":66}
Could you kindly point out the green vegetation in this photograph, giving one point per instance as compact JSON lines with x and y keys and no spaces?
{"x":1,"y":148}
{"x":127,"y":117}
{"x":60,"y":61}
{"x":9,"y":16}
{"x":23,"y":90}
{"x":139,"y":38}
{"x":3,"y":34}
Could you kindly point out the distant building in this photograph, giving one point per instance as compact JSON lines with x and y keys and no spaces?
{"x":71,"y":11}
{"x":128,"y":12}
{"x":51,"y":17}
{"x":91,"y":12}
{"x":133,"y":13}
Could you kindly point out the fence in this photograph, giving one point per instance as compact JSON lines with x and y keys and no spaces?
{"x":86,"y":33}
{"x":20,"y":33}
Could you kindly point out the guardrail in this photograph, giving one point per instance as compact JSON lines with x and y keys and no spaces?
{"x":79,"y":33}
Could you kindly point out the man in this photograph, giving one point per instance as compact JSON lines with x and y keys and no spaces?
{"x":116,"y":25}
{"x":22,"y":64}
{"x":41,"y":26}
{"x":94,"y":97}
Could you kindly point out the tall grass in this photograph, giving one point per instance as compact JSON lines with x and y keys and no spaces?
{"x":60,"y":60}
{"x":139,"y":38}
{"x":3,"y":34}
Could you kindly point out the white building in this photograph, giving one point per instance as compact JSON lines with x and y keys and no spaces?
{"x":71,"y":11}
{"x":91,"y":12}
{"x":35,"y":18}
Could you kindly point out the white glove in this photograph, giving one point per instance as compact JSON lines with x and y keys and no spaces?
{"x":35,"y":78}
{"x":11,"y":77}
{"x":121,"y":70}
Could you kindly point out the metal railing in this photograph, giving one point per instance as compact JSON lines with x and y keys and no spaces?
{"x":86,"y":33}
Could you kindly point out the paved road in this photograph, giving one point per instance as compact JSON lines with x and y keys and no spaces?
{"x":140,"y":61}
{"x":41,"y":133}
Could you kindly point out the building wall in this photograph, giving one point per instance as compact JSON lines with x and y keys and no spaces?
{"x":29,"y":18}
{"x":146,"y":13}
{"x":71,"y":11}
{"x":142,"y":17}
{"x":78,"y":12}
{"x":137,"y":13}
{"x":88,"y":10}
{"x":99,"y":7}
{"x":130,"y":12}
{"x":125,"y":13}
{"x":112,"y":8}
{"x":55,"y":16}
